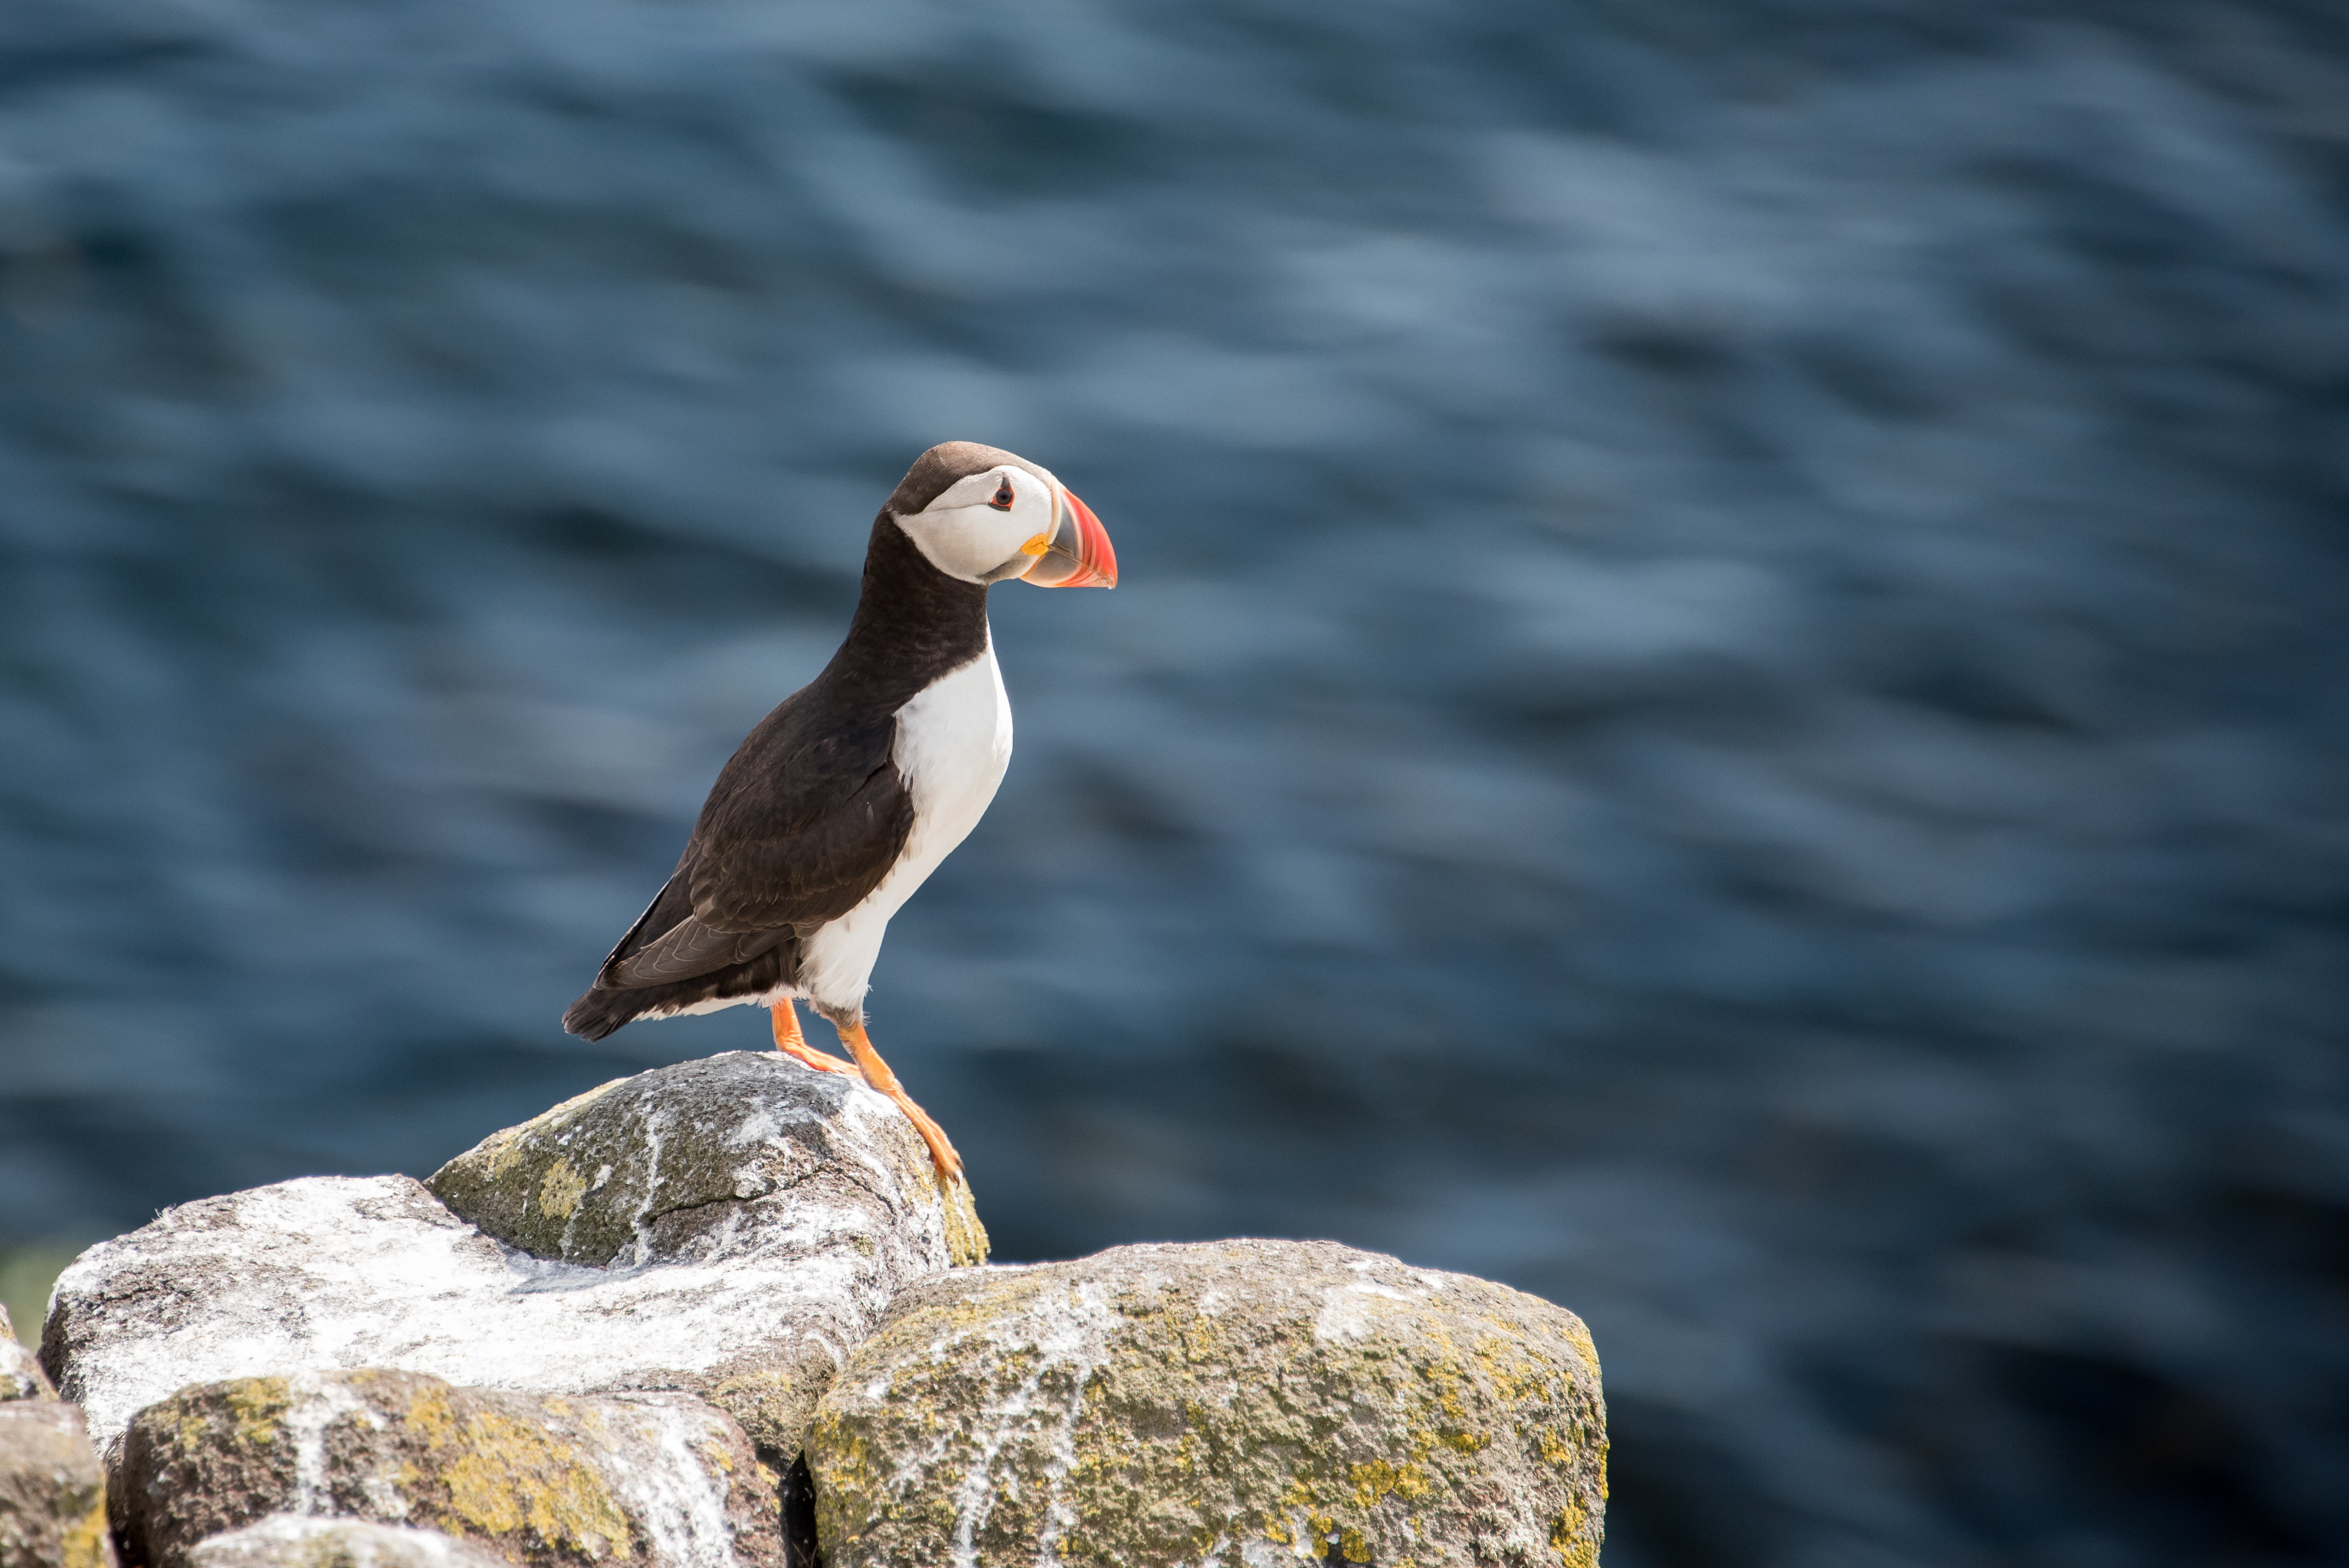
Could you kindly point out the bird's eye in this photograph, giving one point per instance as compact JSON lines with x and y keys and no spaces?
{"x":1002,"y":499}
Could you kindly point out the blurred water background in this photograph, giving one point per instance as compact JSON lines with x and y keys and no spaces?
{"x":1728,"y":702}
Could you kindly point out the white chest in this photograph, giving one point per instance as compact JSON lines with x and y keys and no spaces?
{"x":953,"y":741}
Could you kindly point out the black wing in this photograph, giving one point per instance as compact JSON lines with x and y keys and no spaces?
{"x":804,"y":821}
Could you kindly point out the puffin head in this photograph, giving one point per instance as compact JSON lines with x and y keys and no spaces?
{"x":983,"y":514}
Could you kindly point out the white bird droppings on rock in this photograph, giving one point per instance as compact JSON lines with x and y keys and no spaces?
{"x":750,"y":1303}
{"x":630,"y":1480}
{"x":1194,"y":1405}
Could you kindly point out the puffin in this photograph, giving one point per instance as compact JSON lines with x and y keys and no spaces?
{"x":844,"y":799}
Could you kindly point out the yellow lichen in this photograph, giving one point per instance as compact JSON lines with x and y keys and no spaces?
{"x":255,"y":1406}
{"x":1377,"y":1479}
{"x":560,"y":1193}
{"x":1514,"y":1377}
{"x":86,"y":1540}
{"x":1580,"y":1335}
{"x":507,"y":1475}
{"x":431,"y":1417}
{"x":851,"y":1490}
{"x":500,"y":1152}
{"x":1575,"y":1548}
{"x":966,"y":1243}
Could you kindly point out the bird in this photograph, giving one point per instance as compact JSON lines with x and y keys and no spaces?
{"x":844,"y":798}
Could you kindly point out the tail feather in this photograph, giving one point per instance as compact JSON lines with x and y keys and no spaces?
{"x":600,"y":1012}
{"x":605,"y":1008}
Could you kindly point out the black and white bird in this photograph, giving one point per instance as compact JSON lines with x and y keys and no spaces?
{"x":849,"y":794}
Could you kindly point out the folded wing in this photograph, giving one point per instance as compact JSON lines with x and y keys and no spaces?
{"x":793,"y":835}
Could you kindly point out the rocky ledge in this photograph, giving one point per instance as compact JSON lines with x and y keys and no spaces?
{"x":724,"y":1314}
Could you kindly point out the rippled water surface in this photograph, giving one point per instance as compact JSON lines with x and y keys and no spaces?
{"x":1727,"y":703}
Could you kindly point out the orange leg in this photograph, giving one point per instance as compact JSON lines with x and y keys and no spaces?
{"x":876,"y":1074}
{"x":792,"y":1043}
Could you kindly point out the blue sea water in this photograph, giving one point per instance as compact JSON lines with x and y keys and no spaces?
{"x":1727,"y":701}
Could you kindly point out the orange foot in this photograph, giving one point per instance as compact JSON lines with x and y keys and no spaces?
{"x":876,"y":1074}
{"x":792,"y":1043}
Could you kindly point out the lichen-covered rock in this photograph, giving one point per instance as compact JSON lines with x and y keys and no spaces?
{"x":718,"y":1157}
{"x":550,"y":1481}
{"x":1240,"y":1402}
{"x":52,"y":1492}
{"x":771,"y":1213}
{"x":21,"y":1376}
{"x":297,"y":1540}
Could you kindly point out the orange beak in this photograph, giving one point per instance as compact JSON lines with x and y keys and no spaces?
{"x":1080,"y":555}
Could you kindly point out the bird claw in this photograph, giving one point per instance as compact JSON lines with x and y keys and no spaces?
{"x":942,"y":1151}
{"x":878,"y":1077}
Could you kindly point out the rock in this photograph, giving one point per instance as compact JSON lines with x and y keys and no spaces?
{"x":21,"y":1376}
{"x":729,"y":1228}
{"x":716,"y":1158}
{"x":52,"y":1492}
{"x":1237,"y":1403}
{"x":550,"y":1481}
{"x":291,"y":1540}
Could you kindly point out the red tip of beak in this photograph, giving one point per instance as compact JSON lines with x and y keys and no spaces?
{"x":1096,"y":560}
{"x":1094,"y":564}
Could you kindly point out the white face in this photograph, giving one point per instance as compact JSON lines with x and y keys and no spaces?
{"x":976,"y":528}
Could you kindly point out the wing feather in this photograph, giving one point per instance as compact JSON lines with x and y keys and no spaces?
{"x":751,"y":881}
{"x":799,"y":826}
{"x":686,"y":949}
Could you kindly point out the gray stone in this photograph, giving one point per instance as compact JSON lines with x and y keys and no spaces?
{"x":294,"y":1541}
{"x":21,"y":1376}
{"x":656,"y":1481}
{"x":707,"y":1159}
{"x":1239,"y":1402}
{"x":770,"y":1213}
{"x":52,"y":1491}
